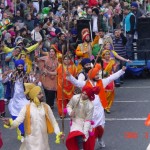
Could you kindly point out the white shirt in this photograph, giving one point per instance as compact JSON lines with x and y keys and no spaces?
{"x":95,"y":27}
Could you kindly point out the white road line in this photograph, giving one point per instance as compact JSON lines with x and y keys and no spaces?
{"x":132,"y":101}
{"x":114,"y":119}
{"x":125,"y":119}
{"x":135,"y":87}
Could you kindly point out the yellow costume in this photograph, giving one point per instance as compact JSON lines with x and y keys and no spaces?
{"x":110,"y":88}
{"x":6,"y":49}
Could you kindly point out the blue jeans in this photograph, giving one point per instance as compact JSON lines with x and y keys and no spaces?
{"x":121,"y":64}
{"x":129,"y":46}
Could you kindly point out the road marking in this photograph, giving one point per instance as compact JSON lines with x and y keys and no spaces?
{"x":114,"y":119}
{"x":135,"y":87}
{"x":132,"y":101}
{"x":125,"y":119}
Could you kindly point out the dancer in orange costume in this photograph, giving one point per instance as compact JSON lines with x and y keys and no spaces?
{"x":65,"y":89}
{"x":63,"y":84}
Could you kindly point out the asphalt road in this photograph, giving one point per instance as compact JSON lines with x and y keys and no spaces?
{"x":124,"y":129}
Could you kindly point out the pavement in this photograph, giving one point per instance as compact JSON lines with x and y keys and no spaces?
{"x":124,"y":129}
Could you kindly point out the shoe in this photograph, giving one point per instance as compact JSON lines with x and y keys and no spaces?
{"x":117,"y":84}
{"x":107,"y":111}
{"x":101,"y":143}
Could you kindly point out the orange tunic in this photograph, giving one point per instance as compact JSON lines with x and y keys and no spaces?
{"x":68,"y":87}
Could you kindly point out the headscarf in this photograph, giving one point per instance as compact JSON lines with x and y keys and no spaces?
{"x":104,"y":52}
{"x":32,"y":91}
{"x":92,"y":72}
{"x":19,"y":62}
{"x":90,"y":91}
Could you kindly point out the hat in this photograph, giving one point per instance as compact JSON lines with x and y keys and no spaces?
{"x":134,"y":4}
{"x":9,"y":27}
{"x":84,"y":33}
{"x":92,"y":72}
{"x":96,"y":11}
{"x":90,"y":91}
{"x":19,"y":62}
{"x":85,"y":61}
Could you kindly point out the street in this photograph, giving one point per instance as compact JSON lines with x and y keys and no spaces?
{"x":124,"y":129}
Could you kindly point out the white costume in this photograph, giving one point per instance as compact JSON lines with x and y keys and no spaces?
{"x":98,"y":115}
{"x":19,"y":99}
{"x":38,"y":139}
{"x":83,"y":114}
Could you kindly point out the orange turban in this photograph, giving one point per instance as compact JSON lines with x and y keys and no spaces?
{"x":92,"y":72}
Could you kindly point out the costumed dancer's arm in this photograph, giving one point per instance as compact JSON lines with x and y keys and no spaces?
{"x":120,"y":58}
{"x":74,"y":81}
{"x":70,"y":106}
{"x":81,"y":77}
{"x":78,"y":51}
{"x":17,"y":121}
{"x":32,"y":48}
{"x":96,"y":39}
{"x":113,"y":77}
{"x":53,"y":121}
{"x":6,"y":49}
{"x":87,"y":123}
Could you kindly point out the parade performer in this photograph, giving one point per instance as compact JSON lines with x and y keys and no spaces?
{"x":18,"y":100}
{"x":58,"y":53}
{"x":67,"y":86}
{"x":80,"y":108}
{"x":65,"y":89}
{"x":113,"y":54}
{"x":46,"y":64}
{"x":38,"y":119}
{"x":109,"y":67}
{"x":100,"y":102}
{"x":84,"y":50}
